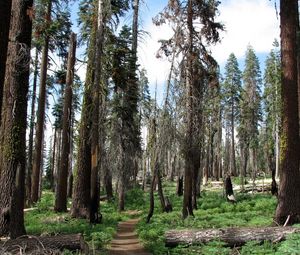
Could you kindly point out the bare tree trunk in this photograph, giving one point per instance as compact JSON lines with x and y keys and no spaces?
{"x":151,"y":207}
{"x":121,"y":180}
{"x":271,"y":164}
{"x":134,"y":86}
{"x":62,"y":183}
{"x":97,"y":104}
{"x":70,"y":184}
{"x":206,"y":166}
{"x":277,"y":150}
{"x":108,"y":181}
{"x":5,"y":14}
{"x":144,"y":167}
{"x":31,"y":124}
{"x":179,"y":189}
{"x":253,"y":165}
{"x":173,"y":167}
{"x":57,"y":159}
{"x":160,"y":190}
{"x":187,"y":208}
{"x":82,"y":182}
{"x":244,"y":154}
{"x":53,"y":160}
{"x":298,"y":63}
{"x":37,"y":157}
{"x":211,"y":152}
{"x":233,"y":160}
{"x":13,"y":127}
{"x":42,"y":167}
{"x":289,"y":188}
{"x":70,"y":170}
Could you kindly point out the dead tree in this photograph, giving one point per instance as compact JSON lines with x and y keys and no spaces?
{"x":228,"y":189}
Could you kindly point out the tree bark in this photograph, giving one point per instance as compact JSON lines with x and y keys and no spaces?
{"x":5,"y":14}
{"x":231,"y":236}
{"x":70,"y":165}
{"x":33,"y":244}
{"x":82,"y":183}
{"x":13,"y":128}
{"x":151,"y":193}
{"x":133,"y":91}
{"x":289,"y":188}
{"x":233,"y":161}
{"x":108,"y":183}
{"x":57,"y":157}
{"x":31,"y":126}
{"x":160,"y":189}
{"x":62,"y":183}
{"x":179,"y":187}
{"x":187,"y":208}
{"x":97,"y":125}
{"x":37,"y":157}
{"x":244,"y":154}
{"x":121,"y":184}
{"x":228,"y":189}
{"x":51,"y":179}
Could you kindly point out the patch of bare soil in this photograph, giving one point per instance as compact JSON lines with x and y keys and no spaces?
{"x":126,"y":241}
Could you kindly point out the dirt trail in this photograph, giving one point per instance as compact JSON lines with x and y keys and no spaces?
{"x":126,"y":241}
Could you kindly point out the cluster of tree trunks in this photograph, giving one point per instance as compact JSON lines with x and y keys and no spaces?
{"x":231,"y":236}
{"x":41,"y":245}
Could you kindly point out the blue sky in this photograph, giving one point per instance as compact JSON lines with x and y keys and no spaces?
{"x":253,"y":22}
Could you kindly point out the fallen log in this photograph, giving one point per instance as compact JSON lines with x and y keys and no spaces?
{"x":258,"y":188}
{"x":231,"y":236}
{"x":44,"y":244}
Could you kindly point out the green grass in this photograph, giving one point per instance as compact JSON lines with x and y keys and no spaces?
{"x":215,"y":212}
{"x":44,"y":221}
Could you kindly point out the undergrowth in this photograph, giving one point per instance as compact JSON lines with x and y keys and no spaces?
{"x":215,"y":212}
{"x":44,"y":221}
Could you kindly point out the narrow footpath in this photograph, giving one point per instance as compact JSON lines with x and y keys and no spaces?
{"x":126,"y":241}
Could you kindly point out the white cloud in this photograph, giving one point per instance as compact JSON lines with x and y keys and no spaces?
{"x":157,"y":68}
{"x":247,"y":22}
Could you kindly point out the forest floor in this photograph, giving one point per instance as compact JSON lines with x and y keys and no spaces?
{"x":129,"y":231}
{"x":126,"y":240}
